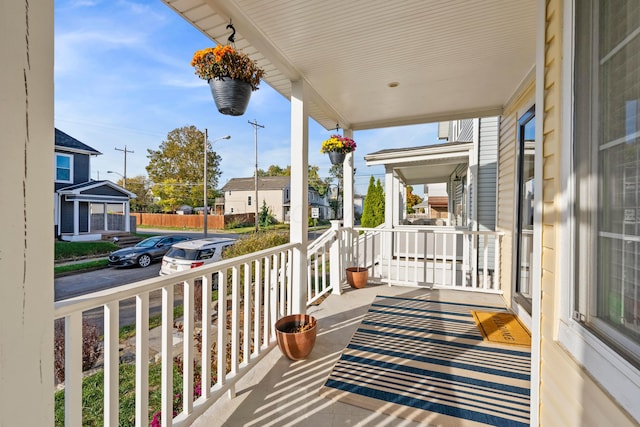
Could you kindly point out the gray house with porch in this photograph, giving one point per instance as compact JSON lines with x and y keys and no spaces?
{"x":81,"y":205}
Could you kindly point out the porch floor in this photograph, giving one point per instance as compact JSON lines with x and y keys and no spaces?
{"x":279,"y":392}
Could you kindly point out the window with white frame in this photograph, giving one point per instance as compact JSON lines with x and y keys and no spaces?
{"x":64,"y":168}
{"x":607,"y":167}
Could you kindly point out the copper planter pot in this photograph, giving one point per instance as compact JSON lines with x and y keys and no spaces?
{"x":296,"y":345}
{"x":357,"y":277}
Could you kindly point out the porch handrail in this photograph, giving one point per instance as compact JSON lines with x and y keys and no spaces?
{"x":260,"y":289}
{"x":450,"y":258}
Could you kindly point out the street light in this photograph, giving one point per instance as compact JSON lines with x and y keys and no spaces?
{"x":124,"y":178}
{"x":206,"y":150}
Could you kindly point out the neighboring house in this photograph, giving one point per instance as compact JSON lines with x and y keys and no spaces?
{"x":81,"y":205}
{"x":467,"y":165}
{"x":240,"y":194}
{"x":436,"y":201}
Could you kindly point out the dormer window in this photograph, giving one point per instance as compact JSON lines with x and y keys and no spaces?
{"x":64,"y":167}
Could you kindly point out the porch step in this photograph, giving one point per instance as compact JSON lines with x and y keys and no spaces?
{"x":121,"y":238}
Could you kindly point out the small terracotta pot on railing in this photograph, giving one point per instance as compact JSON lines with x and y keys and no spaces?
{"x":357,"y":277}
{"x":296,"y":335}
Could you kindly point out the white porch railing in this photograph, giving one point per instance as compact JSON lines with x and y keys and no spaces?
{"x":440,"y":257}
{"x":258,"y":292}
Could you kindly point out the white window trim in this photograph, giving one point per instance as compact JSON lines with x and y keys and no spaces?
{"x":614,"y":373}
{"x":55,"y":167}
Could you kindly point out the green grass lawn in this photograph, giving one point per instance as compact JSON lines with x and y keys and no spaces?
{"x":64,"y":250}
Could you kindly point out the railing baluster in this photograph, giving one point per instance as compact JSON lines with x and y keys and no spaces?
{"x":111,"y":363}
{"x":496,"y":263}
{"x":257,"y":304}
{"x":247,"y":314}
{"x":415,"y":256}
{"x":474,"y":262}
{"x":286,"y":280}
{"x":187,"y":346}
{"x":267,"y":302}
{"x":454,"y":261}
{"x":142,"y":359}
{"x":73,"y":369}
{"x":167,"y":356}
{"x":205,"y":338}
{"x":444,"y":259}
{"x":221,"y":344}
{"x":485,"y":267}
{"x":235,"y":318}
{"x":407,"y":237}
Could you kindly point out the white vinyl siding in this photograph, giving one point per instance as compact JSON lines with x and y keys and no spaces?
{"x":487,"y":179}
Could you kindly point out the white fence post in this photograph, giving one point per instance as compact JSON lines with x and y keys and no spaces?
{"x":334,"y":258}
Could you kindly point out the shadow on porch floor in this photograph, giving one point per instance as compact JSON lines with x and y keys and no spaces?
{"x":279,"y":392}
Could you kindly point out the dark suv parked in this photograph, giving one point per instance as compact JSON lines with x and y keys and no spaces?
{"x":145,"y":252}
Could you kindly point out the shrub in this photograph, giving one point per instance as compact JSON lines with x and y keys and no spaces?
{"x":255,"y":242}
{"x":90,"y":347}
{"x":265,"y":216}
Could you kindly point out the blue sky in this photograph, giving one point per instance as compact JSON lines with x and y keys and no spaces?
{"x":123,"y":78}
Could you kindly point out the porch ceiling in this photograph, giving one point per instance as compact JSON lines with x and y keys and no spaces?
{"x":450,"y":60}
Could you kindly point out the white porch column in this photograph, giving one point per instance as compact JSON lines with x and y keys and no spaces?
{"x":76,"y":217}
{"x":388,"y":198}
{"x":347,"y":178}
{"x":26,"y":264}
{"x":402,"y":200}
{"x":299,"y":194}
{"x":105,"y":215}
{"x":127,"y":225}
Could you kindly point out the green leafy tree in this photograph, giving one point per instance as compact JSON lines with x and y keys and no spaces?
{"x":319,"y":184}
{"x":336,"y":174}
{"x":265,"y":216}
{"x":176,"y":169}
{"x":412,"y":199}
{"x":373,"y":210}
{"x":141,"y":186}
{"x":379,"y":207}
{"x":275,"y":170}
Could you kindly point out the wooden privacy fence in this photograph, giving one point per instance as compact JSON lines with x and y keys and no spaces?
{"x":191,"y":221}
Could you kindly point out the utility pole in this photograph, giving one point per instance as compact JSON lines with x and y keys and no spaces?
{"x":204,"y":172}
{"x":206,"y":196}
{"x":124,"y":175}
{"x":255,"y":125}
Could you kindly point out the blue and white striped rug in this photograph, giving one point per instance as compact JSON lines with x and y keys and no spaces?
{"x":426,"y":361}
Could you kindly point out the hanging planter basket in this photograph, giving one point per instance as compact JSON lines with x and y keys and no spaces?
{"x":336,"y":157}
{"x":231,"y":96}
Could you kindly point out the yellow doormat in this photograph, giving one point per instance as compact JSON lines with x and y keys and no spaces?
{"x":501,"y":327}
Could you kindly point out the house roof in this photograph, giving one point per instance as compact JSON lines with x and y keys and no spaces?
{"x":89,"y":187}
{"x":264,"y":183}
{"x":69,"y":143}
{"x":393,"y":63}
{"x":424,"y":164}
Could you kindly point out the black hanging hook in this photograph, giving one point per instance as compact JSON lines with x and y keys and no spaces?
{"x":232,"y":37}
{"x":337,"y":128}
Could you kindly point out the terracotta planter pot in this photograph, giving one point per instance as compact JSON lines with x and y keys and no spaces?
{"x":296,"y":345}
{"x":357,"y":277}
